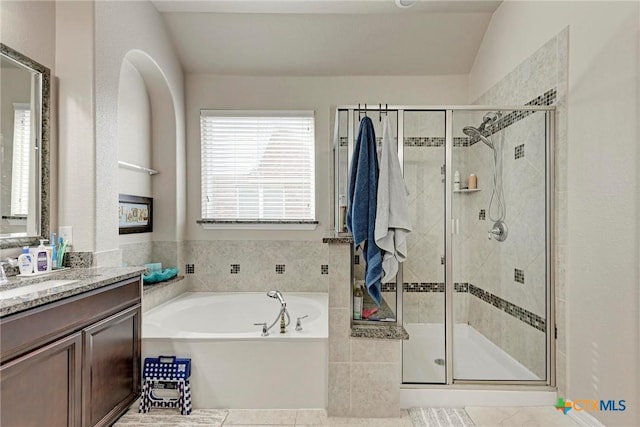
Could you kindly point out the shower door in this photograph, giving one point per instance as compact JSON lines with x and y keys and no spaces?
{"x":423,"y":296}
{"x":499,"y":245}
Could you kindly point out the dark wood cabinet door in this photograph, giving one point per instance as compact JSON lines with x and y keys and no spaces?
{"x":42,"y":388}
{"x":111,"y":375}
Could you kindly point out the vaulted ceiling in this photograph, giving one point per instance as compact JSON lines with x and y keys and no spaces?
{"x":326,"y":37}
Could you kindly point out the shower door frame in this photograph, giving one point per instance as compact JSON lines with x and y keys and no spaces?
{"x":448,"y":110}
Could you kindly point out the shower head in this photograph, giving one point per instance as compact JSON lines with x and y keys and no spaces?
{"x":488,"y":119}
{"x":477,"y":132}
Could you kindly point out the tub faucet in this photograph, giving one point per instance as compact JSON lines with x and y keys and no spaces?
{"x":281,"y":315}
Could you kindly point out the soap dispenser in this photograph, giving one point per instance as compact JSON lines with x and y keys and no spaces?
{"x":24,"y":262}
{"x":42,"y":258}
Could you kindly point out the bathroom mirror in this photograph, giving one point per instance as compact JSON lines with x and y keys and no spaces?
{"x":24,"y":149}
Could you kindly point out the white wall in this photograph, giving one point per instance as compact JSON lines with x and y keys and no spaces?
{"x":29,"y":27}
{"x":134,"y":131}
{"x":74,"y":72}
{"x":602,"y":230}
{"x":321,"y":94}
{"x":134,"y":138}
{"x":136,"y":30}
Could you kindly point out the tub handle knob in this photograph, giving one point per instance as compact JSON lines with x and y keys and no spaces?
{"x":264,"y":328}
{"x":299,"y":322}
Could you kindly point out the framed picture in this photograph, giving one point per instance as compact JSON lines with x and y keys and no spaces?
{"x":135,"y":213}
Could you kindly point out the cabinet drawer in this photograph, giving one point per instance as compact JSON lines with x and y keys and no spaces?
{"x":25,"y":331}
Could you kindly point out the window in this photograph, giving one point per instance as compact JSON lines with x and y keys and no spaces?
{"x":258,"y":166}
{"x":21,"y":159}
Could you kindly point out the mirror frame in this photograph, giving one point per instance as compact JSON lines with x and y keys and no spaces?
{"x":42,"y":145}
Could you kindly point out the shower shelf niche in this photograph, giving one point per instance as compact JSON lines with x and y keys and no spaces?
{"x":467,"y":190}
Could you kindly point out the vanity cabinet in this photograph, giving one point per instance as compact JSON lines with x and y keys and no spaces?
{"x":42,"y":388}
{"x":73,"y":362}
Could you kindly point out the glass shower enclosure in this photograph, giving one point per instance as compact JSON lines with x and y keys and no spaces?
{"x":475,"y":293}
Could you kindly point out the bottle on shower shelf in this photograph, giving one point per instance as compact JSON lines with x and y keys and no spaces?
{"x":473,"y":182}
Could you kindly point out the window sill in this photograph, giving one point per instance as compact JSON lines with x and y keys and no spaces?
{"x":215,"y":224}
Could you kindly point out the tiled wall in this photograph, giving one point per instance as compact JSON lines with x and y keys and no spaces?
{"x":142,"y":253}
{"x":364,"y":374}
{"x":256,"y":265}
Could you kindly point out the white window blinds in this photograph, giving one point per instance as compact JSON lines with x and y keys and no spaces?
{"x":257,"y":165}
{"x":21,"y":159}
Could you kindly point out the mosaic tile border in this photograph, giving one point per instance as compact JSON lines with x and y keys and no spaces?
{"x":422,"y":141}
{"x":547,"y":98}
{"x":518,"y":312}
{"x":433,"y":287}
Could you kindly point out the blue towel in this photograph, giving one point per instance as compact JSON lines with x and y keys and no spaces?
{"x":361,"y":207}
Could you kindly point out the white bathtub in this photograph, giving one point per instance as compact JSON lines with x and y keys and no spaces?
{"x":232,"y":365}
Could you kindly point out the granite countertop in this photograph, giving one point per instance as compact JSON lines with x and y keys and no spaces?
{"x":332,"y":236}
{"x":381,"y":330}
{"x":85,"y":279}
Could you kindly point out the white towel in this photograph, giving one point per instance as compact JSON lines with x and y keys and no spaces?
{"x":392,"y":212}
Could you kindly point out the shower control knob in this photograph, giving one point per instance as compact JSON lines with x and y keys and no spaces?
{"x":499,"y":231}
{"x":264,"y":328}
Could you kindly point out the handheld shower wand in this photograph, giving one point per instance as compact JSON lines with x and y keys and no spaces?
{"x":277,"y":295}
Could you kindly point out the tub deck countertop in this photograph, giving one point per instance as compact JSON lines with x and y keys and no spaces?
{"x":84,"y":280}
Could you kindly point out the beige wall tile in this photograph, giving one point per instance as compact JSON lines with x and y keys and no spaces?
{"x":339,"y":402}
{"x":375,"y":390}
{"x":375,"y":351}
{"x":339,"y":335}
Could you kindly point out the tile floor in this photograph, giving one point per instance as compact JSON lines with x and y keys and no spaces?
{"x":546,"y":416}
{"x":481,"y":416}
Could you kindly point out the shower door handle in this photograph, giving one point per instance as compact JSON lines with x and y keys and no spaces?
{"x":455,"y":226}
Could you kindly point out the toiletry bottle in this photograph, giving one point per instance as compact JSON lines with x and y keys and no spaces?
{"x":62,"y":248}
{"x":357,"y":301}
{"x":54,"y":255}
{"x":456,"y":181}
{"x":42,"y":259}
{"x":342,"y":222}
{"x":473,"y":182}
{"x":24,"y":262}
